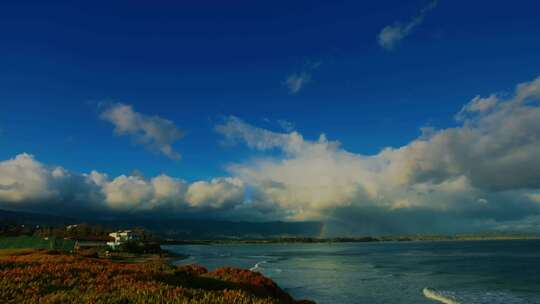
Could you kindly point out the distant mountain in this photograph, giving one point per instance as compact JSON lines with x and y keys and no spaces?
{"x":213,"y":229}
{"x":30,"y":218}
{"x":189,"y":229}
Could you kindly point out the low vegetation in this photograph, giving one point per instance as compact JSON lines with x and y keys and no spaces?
{"x":45,"y":276}
{"x":24,"y":241}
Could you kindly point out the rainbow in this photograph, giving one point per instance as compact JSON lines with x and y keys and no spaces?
{"x":323,"y":230}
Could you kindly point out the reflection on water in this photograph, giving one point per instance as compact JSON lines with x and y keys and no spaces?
{"x":467,"y":272}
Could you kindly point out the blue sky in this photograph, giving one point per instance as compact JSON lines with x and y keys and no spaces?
{"x":198,"y":64}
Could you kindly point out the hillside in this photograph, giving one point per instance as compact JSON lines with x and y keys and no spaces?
{"x":173,"y":228}
{"x":31,"y":276}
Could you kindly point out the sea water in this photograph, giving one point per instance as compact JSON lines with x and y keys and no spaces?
{"x":475,"y":272}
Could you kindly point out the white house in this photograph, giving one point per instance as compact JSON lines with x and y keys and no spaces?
{"x":121,"y":237}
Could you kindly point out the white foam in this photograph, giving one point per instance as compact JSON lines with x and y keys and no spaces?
{"x":438,"y":296}
{"x":257,"y":266}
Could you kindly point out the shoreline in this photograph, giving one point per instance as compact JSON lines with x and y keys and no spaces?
{"x":73,"y":278}
{"x":331,"y":241}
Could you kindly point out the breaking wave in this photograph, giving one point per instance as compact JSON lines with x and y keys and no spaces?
{"x":439,"y":296}
{"x":257,"y":266}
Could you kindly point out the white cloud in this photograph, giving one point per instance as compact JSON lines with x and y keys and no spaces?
{"x":477,"y":169}
{"x":97,"y":178}
{"x":477,"y":105}
{"x":127,"y":192}
{"x":167,"y":188}
{"x":234,"y":129}
{"x":218,"y":193}
{"x":482,"y":173}
{"x":391,"y":35}
{"x":295,"y":82}
{"x":27,"y":183}
{"x":152,"y":131}
{"x":24,"y":179}
{"x":527,"y":91}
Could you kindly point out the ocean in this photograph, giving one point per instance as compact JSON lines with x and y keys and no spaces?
{"x":389,"y":272}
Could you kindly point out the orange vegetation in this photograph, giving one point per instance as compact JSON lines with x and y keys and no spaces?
{"x":52,"y":277}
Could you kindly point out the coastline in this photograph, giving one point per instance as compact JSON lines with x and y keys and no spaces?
{"x":384,"y":239}
{"x":165,"y":256}
{"x":30,"y":276}
{"x":406,"y":268}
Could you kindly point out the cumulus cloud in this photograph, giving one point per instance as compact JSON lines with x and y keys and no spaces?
{"x":476,"y":172}
{"x":26,"y":183}
{"x":483,"y":173}
{"x":24,"y":179}
{"x":391,"y":35}
{"x":477,"y":105}
{"x":128,"y":192}
{"x":152,"y":131}
{"x":218,"y":193}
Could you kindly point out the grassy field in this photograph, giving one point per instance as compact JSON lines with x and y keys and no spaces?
{"x":24,"y":241}
{"x":43,"y":276}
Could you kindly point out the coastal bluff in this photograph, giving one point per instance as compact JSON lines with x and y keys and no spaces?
{"x":45,"y":276}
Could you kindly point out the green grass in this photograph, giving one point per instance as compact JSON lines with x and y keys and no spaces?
{"x":32,"y":242}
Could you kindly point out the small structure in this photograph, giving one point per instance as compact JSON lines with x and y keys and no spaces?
{"x":81,"y":245}
{"x":84,"y":243}
{"x":69,"y":227}
{"x":121,"y":237}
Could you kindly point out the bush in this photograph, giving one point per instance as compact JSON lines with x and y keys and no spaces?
{"x":139,"y":247}
{"x":41,"y":278}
